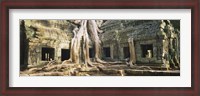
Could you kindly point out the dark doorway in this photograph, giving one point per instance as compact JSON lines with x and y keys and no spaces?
{"x":48,"y":54}
{"x":65,"y":54}
{"x":126,"y":52}
{"x":91,"y":52}
{"x":145,"y":49}
{"x":106,"y":51}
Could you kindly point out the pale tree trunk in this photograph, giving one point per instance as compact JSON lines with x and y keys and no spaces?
{"x":75,"y":45}
{"x":93,"y":31}
{"x":132,"y":52}
{"x":86,"y":46}
{"x":86,"y":26}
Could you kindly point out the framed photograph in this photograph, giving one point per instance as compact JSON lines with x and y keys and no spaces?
{"x":104,"y":47}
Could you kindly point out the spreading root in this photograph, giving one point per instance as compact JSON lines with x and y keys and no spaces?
{"x":54,"y":69}
{"x":100,"y":61}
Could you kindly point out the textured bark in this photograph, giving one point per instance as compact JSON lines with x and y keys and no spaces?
{"x":75,"y":43}
{"x":132,"y":52}
{"x":93,"y":31}
{"x":82,"y":33}
{"x":86,"y":46}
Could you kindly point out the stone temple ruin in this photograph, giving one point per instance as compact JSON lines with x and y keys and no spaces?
{"x":156,"y":42}
{"x":154,"y":38}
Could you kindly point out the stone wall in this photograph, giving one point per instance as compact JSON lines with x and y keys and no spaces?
{"x":47,"y":34}
{"x":144,"y":32}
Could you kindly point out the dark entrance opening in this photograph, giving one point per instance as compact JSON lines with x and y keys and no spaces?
{"x":147,"y":49}
{"x":48,"y":54}
{"x":106,"y":51}
{"x":126,"y":52}
{"x":91,"y":52}
{"x":65,"y":54}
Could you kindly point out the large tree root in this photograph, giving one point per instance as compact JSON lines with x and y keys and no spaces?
{"x":56,"y":70}
{"x":100,"y":61}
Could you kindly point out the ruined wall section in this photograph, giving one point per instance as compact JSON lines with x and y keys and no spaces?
{"x":54,"y":34}
{"x":110,"y":38}
{"x":144,"y":32}
{"x":146,"y":35}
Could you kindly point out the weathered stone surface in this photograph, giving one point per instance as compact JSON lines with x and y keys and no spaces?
{"x":159,"y":37}
{"x":131,"y":72}
{"x":49,"y":34}
{"x":144,"y":32}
